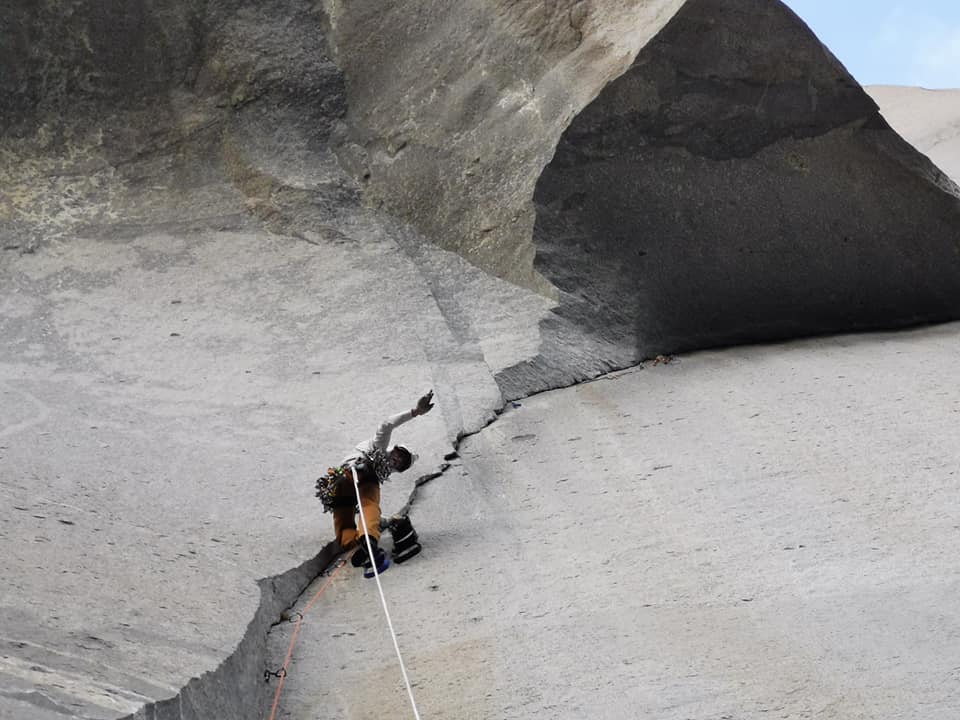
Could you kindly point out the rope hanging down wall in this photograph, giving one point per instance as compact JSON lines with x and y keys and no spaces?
{"x":282,"y":672}
{"x":383,"y":599}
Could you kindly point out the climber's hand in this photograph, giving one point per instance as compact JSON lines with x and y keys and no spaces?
{"x":424,"y":404}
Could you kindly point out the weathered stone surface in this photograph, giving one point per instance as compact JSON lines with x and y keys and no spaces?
{"x":156,"y":337}
{"x":167,"y":402}
{"x":454,"y":108}
{"x":735,"y":184}
{"x":210,"y":114}
{"x":61,"y":59}
{"x":216,"y":274}
{"x":747,"y":533}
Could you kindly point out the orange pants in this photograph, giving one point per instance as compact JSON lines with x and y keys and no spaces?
{"x":345,"y":522}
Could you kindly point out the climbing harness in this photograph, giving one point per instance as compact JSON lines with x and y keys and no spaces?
{"x":332,"y":488}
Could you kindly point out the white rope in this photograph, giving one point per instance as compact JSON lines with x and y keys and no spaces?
{"x":383,"y":599}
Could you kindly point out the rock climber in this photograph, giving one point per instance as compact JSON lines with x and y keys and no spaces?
{"x":373,"y":461}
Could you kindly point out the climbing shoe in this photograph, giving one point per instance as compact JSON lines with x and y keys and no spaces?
{"x":405,"y":540}
{"x":361,"y":558}
{"x":383,"y":562}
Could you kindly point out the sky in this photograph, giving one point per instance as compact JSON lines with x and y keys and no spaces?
{"x":890,"y":42}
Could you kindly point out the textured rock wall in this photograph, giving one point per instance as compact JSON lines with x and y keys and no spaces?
{"x":454,"y":108}
{"x":236,"y":689}
{"x":735,"y":184}
{"x":61,"y":58}
{"x":446,"y":117}
{"x":674,"y":180}
{"x":162,"y":111}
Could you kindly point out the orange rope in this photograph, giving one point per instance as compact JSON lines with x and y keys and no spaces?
{"x":293,"y":639}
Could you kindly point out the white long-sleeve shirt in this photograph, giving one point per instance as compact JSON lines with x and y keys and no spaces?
{"x":380,"y":441}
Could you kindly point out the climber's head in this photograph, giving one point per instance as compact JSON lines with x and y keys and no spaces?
{"x":401,"y":458}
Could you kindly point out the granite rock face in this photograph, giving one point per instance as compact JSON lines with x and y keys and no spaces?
{"x":736,"y":184}
{"x":233,"y":232}
{"x":161,"y":111}
{"x":680,"y":178}
{"x":716,"y":177}
{"x":455,"y":108}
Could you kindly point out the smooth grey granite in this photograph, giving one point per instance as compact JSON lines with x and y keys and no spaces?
{"x":744,"y":533}
{"x":234,"y":235}
{"x":167,"y":402}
